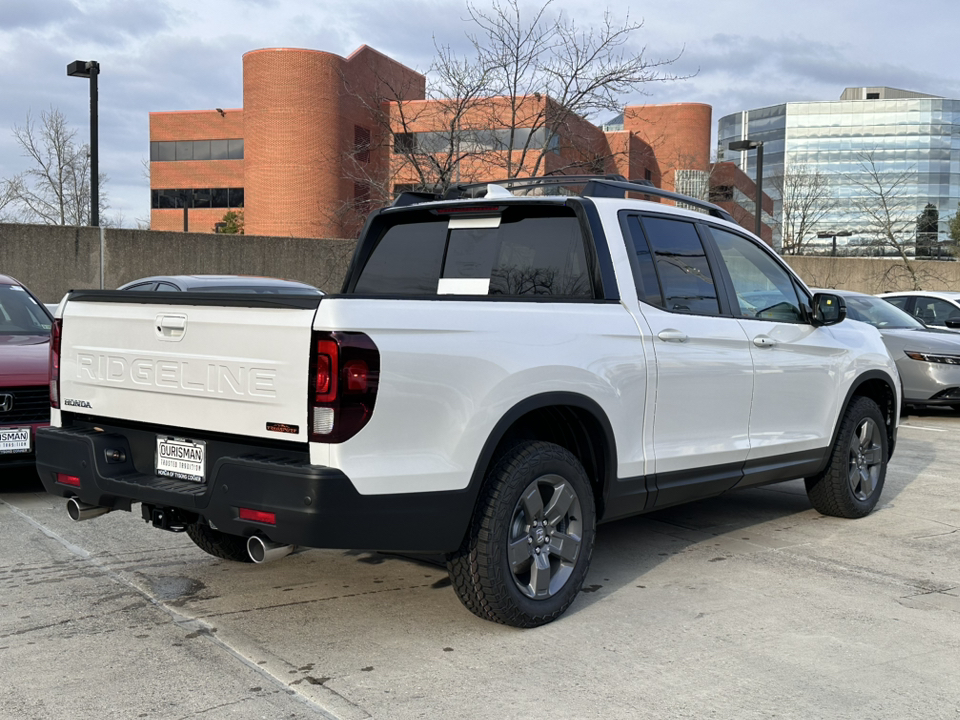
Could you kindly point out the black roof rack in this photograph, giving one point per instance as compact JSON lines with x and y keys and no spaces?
{"x":470,"y":190}
{"x":612,"y":186}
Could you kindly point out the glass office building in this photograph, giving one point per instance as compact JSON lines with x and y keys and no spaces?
{"x":908,"y":135}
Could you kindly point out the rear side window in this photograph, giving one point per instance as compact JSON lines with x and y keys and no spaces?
{"x":524,"y":251}
{"x":682,"y":266}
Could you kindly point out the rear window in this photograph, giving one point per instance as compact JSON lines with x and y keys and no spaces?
{"x":525,"y":251}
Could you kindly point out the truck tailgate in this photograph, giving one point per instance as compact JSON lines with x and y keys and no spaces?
{"x":193,"y":361}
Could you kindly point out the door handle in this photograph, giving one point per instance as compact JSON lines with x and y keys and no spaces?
{"x":764,"y":341}
{"x":171,"y":327}
{"x":672,"y":336}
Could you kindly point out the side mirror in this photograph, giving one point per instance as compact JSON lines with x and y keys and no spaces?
{"x":828,"y":309}
{"x":953,"y":323}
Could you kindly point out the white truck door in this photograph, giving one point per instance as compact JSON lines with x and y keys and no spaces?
{"x":704,"y":383}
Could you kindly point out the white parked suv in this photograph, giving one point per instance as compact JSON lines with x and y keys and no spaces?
{"x":497,"y":375}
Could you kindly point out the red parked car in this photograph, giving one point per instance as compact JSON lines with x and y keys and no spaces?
{"x":24,"y":382}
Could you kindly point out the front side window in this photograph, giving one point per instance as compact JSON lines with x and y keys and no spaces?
{"x":765,"y":291}
{"x":899,"y":302}
{"x":685,"y":276}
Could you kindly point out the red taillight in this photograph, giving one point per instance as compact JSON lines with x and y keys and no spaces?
{"x":344,"y":375}
{"x":259,"y":516}
{"x":356,"y":372}
{"x":55,"y":332}
{"x":325,"y":383}
{"x":72,"y":480}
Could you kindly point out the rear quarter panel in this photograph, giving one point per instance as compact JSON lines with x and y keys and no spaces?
{"x":451,"y":369}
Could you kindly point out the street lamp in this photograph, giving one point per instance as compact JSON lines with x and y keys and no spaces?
{"x":751,"y":145}
{"x":90,"y":69}
{"x":834,"y":235}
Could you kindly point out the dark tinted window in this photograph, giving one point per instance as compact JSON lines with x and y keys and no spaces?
{"x":154,"y":151}
{"x":406,"y":261}
{"x":201,"y":198}
{"x":236,"y":197}
{"x":764,"y":290}
{"x":143,"y":287}
{"x":532,"y":251}
{"x":218,"y":197}
{"x":235,"y":149}
{"x":166,"y":151}
{"x":682,"y":266}
{"x":648,"y":286}
{"x":20,"y":314}
{"x":185,"y":150}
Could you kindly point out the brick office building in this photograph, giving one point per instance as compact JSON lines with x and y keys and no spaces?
{"x":316,"y":145}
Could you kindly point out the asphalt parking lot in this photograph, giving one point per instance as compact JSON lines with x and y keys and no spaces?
{"x":751,"y":605}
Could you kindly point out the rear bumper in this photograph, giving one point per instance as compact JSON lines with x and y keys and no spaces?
{"x":315,"y":506}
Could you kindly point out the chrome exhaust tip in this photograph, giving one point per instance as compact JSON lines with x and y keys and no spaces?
{"x":81,"y":511}
{"x":261,"y":550}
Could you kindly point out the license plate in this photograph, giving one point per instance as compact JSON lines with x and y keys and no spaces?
{"x":180,"y":458}
{"x":14,"y":440}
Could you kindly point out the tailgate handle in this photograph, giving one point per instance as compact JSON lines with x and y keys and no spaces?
{"x":171,"y":327}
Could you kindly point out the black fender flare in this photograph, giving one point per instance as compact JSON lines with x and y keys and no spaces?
{"x":538,"y":402}
{"x":892,"y":383}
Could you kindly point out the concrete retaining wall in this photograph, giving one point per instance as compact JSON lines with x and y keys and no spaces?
{"x":874,"y":275}
{"x":52,"y":259}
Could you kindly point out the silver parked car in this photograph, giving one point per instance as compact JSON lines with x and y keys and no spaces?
{"x":220,"y":284}
{"x":928,"y":359}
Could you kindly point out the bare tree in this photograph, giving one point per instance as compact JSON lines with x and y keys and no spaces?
{"x":547,"y":76}
{"x":806,"y":198}
{"x":888,"y":217}
{"x":517,"y":106}
{"x":55,"y":188}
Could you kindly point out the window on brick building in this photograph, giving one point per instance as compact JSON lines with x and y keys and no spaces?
{"x":648,"y":175}
{"x":404,"y":143}
{"x":231,"y":149}
{"x":235,"y":149}
{"x":218,"y":150}
{"x":196,"y":198}
{"x":361,"y":144}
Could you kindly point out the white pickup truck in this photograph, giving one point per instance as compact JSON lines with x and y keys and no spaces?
{"x":497,"y":375}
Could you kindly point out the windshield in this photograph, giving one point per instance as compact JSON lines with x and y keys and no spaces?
{"x":20,"y":314}
{"x":880,"y":313}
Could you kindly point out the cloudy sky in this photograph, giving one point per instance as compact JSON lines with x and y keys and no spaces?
{"x":186,"y":55}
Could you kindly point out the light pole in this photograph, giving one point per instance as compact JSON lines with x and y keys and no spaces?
{"x":751,"y":145}
{"x":834,"y":235}
{"x":90,"y":69}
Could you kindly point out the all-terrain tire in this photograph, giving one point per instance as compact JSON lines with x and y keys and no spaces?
{"x":850,"y":485}
{"x":219,"y":544}
{"x":520,"y":565}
